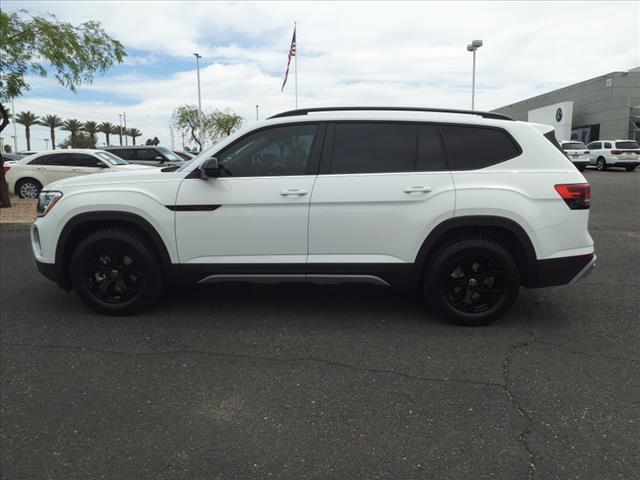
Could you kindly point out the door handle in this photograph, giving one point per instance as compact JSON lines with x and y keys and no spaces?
{"x":293,"y":192}
{"x":417,"y":189}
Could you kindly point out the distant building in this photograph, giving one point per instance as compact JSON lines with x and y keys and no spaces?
{"x":604,"y":107}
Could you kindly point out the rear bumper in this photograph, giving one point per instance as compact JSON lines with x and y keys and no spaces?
{"x":562,"y":271}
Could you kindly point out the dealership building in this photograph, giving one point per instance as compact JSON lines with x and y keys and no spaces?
{"x":605,"y":107}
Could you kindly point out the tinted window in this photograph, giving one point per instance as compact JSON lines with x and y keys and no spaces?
{"x":43,"y":160}
{"x":574,"y":146}
{"x":629,"y":145}
{"x":272,"y":152}
{"x":374,"y":147}
{"x":470,"y":148}
{"x":169,"y":155}
{"x":607,"y":144}
{"x":430,"y":155}
{"x":147,"y":154}
{"x":594,"y":145}
{"x":126,"y":153}
{"x":82,"y":160}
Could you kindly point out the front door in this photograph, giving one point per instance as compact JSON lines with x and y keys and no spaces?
{"x":256,"y":212}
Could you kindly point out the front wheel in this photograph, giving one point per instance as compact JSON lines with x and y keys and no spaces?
{"x":472,"y":281}
{"x":601,"y":164}
{"x":581,"y":167}
{"x":116,"y":272}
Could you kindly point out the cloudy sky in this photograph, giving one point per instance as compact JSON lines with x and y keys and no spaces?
{"x":350,"y":53}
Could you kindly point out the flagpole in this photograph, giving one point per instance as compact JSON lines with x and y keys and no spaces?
{"x":295,"y":61}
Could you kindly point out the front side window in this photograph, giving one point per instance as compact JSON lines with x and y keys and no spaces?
{"x":126,"y":153}
{"x":147,"y":155}
{"x":276,"y":151}
{"x":374,"y":147}
{"x":169,"y":155}
{"x":83,"y":160}
{"x":111,"y":158}
{"x":471,"y":147}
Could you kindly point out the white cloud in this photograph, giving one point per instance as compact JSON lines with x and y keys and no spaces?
{"x":350,"y":53}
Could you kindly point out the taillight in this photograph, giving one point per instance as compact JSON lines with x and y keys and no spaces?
{"x":5,"y":169}
{"x":576,"y":195}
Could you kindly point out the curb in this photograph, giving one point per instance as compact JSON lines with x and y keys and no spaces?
{"x":15,"y":226}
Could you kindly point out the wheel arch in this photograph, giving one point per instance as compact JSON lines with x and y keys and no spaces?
{"x":503,"y":230}
{"x":84,"y":223}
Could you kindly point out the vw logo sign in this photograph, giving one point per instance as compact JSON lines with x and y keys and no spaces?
{"x":558,"y":114}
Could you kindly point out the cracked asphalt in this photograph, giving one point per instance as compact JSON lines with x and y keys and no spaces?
{"x":349,"y":382}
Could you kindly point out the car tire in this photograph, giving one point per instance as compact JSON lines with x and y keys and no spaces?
{"x":116,"y":272}
{"x":28,"y":188}
{"x":630,"y":168}
{"x":581,"y":168}
{"x":601,"y":164}
{"x":472,"y":281}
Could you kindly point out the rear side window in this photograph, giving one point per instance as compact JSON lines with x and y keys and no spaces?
{"x":374,"y":147}
{"x":594,"y":145}
{"x":628,"y":145}
{"x":43,"y":160}
{"x":607,"y":144}
{"x":430,"y":156}
{"x":471,"y":147}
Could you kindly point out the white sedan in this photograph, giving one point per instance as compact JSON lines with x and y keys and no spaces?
{"x":27,"y":176}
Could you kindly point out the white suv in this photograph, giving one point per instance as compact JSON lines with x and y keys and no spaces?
{"x":615,"y":153}
{"x":577,"y":153}
{"x":467,"y":206}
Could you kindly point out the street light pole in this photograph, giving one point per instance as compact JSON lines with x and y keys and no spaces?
{"x":13,"y":120}
{"x":257,"y":116}
{"x":46,"y":143}
{"x":473,"y":47}
{"x":198,"y":57}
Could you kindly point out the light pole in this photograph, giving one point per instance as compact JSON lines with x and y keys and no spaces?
{"x":198,"y":57}
{"x":46,"y":143}
{"x":473,"y":47}
{"x":257,"y":117}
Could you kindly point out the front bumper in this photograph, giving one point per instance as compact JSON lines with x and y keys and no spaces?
{"x":562,"y":271}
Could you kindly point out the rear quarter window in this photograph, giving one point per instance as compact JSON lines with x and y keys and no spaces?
{"x":472,"y":148}
{"x":628,"y":145}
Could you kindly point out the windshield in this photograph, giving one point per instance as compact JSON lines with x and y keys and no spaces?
{"x":111,"y":158}
{"x":170,"y":155}
{"x":574,"y":146}
{"x":630,"y":145}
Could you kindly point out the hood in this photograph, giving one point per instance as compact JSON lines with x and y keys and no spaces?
{"x":137,"y":174}
{"x":131,"y":166}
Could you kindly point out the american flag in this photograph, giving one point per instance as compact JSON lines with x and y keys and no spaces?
{"x":292,"y":53}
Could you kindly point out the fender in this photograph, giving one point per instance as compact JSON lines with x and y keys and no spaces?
{"x":61,"y":273}
{"x":476,"y":221}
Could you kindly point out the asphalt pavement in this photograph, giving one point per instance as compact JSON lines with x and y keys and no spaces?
{"x":328,"y":382}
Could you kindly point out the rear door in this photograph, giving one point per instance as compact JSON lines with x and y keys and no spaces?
{"x":53,"y":167}
{"x":382,"y":186}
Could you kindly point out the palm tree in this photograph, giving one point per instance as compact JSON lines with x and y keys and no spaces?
{"x":107,"y":129}
{"x":72,"y":126}
{"x":91,"y":128}
{"x":52,"y":122}
{"x":27,"y":119}
{"x":134,"y":133}
{"x":116,"y":130}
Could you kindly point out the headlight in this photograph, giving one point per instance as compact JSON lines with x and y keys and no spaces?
{"x":46,"y":201}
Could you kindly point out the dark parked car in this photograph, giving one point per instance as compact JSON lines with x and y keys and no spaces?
{"x":11,"y":157}
{"x":147,"y":155}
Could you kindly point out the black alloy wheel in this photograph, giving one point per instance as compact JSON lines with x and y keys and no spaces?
{"x":472,"y":281}
{"x":116,"y":271}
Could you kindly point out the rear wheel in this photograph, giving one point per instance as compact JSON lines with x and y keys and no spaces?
{"x":472,"y":281}
{"x":28,"y":188}
{"x":601,"y":164}
{"x":630,"y":168}
{"x":116,"y":272}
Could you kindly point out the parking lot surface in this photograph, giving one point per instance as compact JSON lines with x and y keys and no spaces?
{"x":293,"y":381}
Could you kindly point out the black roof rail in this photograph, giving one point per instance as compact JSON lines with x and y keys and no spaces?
{"x":305,"y":111}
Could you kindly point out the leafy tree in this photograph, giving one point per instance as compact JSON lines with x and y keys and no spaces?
{"x":188,"y":121}
{"x":107,"y":129}
{"x":51,"y":122}
{"x":79,"y":140}
{"x":226,"y":122}
{"x":30,"y":44}
{"x":27,"y":119}
{"x":134,"y":133}
{"x":7,"y":148}
{"x":91,"y":128}
{"x":72,"y":126}
{"x":152,"y":141}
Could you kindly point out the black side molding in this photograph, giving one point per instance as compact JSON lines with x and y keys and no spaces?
{"x":193,"y":208}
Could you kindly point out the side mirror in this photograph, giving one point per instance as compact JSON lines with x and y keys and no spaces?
{"x":210,"y":168}
{"x":101,"y":165}
{"x":159,"y":158}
